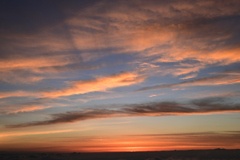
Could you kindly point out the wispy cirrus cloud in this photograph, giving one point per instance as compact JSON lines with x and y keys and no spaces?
{"x":99,"y":84}
{"x":9,"y":134}
{"x":18,"y":106}
{"x":19,"y":94}
{"x":197,"y":106}
{"x":22,"y":108}
{"x":30,"y":69}
{"x":222,"y":78}
{"x":189,"y":76}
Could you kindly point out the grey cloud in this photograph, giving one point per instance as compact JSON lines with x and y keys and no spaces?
{"x":198,"y":106}
{"x":69,"y":117}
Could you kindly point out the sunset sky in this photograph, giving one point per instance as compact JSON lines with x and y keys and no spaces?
{"x":124,"y":75}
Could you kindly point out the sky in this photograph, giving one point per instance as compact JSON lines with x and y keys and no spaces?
{"x":125,"y":75}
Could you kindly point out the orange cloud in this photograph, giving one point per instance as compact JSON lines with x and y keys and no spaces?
{"x":167,"y":31}
{"x":30,"y":69}
{"x":163,"y":38}
{"x":12,"y":109}
{"x":149,"y":28}
{"x":99,"y":84}
{"x":19,"y":94}
{"x":33,"y":133}
{"x":223,"y":56}
{"x":8,"y":109}
{"x":123,"y":35}
{"x":33,"y":63}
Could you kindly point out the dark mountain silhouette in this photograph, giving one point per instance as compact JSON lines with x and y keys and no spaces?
{"x":216,"y":154}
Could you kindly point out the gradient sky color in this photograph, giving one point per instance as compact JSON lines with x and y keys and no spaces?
{"x":125,"y":75}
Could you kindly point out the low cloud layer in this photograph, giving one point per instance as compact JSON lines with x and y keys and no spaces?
{"x":198,"y":106}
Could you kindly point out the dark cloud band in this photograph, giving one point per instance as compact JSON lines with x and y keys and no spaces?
{"x":198,"y":106}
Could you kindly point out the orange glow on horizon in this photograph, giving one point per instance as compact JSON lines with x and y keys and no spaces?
{"x":137,"y":143}
{"x":142,"y":143}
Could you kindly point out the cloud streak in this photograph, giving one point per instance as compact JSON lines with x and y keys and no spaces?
{"x":19,"y":94}
{"x":198,"y":106}
{"x":100,"y":84}
{"x":21,"y":108}
{"x":221,"y":79}
{"x":19,"y":105}
{"x":8,"y":134}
